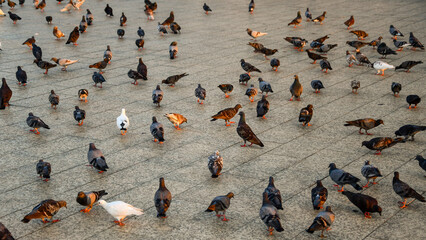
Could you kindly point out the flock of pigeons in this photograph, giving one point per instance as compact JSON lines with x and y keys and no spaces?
{"x":272,"y":200}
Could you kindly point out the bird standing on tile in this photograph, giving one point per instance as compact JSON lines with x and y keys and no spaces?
{"x":89,"y":199}
{"x":296,"y":89}
{"x":296,"y":21}
{"x":341,"y":177}
{"x":123,"y":122}
{"x":206,"y":9}
{"x":173,"y":50}
{"x":221,"y":204}
{"x":57,"y":33}
{"x":108,"y":10}
{"x":245,"y":132}
{"x":172,"y":80}
{"x":98,"y":78}
{"x":96,"y":159}
{"x":415,"y":43}
{"x":255,"y":34}
{"x":319,"y":195}
{"x":157,"y":131}
{"x":45,"y":209}
{"x":355,"y":85}
{"x":350,"y":22}
{"x":5,"y":94}
{"x":396,"y":88}
{"x":395,"y":32}
{"x":381,"y":143}
{"x":366,"y":124}
{"x":405,"y":191}
{"x":53,"y":99}
{"x":157,"y":95}
{"x":43,"y":170}
{"x":123,"y":19}
{"x":306,"y":114}
{"x":320,"y":18}
{"x":21,"y":76}
{"x":269,"y":215}
{"x":248,"y":67}
{"x":251,"y":6}
{"x":73,"y":37}
{"x":162,"y":199}
{"x":36,"y":123}
{"x":408,"y":131}
{"x":365,"y":203}
{"x":215,"y":164}
{"x":274,"y":194}
{"x":120,"y":210}
{"x":83,"y":93}
{"x":262,"y":107}
{"x":200,"y":93}
{"x":407,"y":65}
{"x":370,"y":172}
{"x":176,"y":119}
{"x":227,"y":114}
{"x":79,"y":115}
{"x":64,"y":62}
{"x":317,"y":85}
{"x":413,"y":100}
{"x":322,"y":222}
{"x":226,"y":88}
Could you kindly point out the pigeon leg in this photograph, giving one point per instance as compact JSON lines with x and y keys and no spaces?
{"x":366,"y":185}
{"x":266,"y":58}
{"x":46,"y":180}
{"x":86,"y":210}
{"x":251,"y":99}
{"x":264,"y":117}
{"x":224,"y":218}
{"x":378,"y":152}
{"x":244,"y":144}
{"x":219,"y":215}
{"x":226,"y":95}
{"x":403,"y":203}
{"x":198,"y":100}
{"x":80,"y":123}
{"x":326,"y":70}
{"x":36,"y":131}
{"x":409,"y":106}
{"x":374,"y":182}
{"x":101,"y":84}
{"x":160,"y":142}
{"x":44,"y":221}
{"x":56,"y":220}
{"x":226,"y":123}
{"x":120,"y":223}
{"x":155,"y":140}
{"x":122,"y":132}
{"x":75,"y":44}
{"x":383,"y":72}
{"x":95,"y":85}
{"x":291,"y":99}
{"x":367,"y":215}
{"x":309,"y":125}
{"x":314,"y":62}
{"x":276,"y":69}
{"x":270,"y":229}
{"x":85,"y":99}
{"x":100,"y":171}
{"x":46,"y":71}
{"x":341,"y":190}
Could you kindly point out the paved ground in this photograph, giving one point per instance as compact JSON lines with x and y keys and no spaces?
{"x":210,"y":48}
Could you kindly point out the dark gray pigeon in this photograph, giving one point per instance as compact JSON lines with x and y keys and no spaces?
{"x":248,"y":67}
{"x":319,"y":195}
{"x":206,"y":8}
{"x":36,"y":123}
{"x":89,"y":17}
{"x":395,"y":32}
{"x":162,"y":199}
{"x":141,"y":32}
{"x":83,"y":25}
{"x":157,"y":131}
{"x":384,"y":50}
{"x":413,"y":100}
{"x":265,"y":86}
{"x":269,"y":215}
{"x":142,"y":69}
{"x":21,"y":76}
{"x":215,"y":164}
{"x":341,"y":178}
{"x":322,"y":222}
{"x":396,"y":88}
{"x":172,"y":80}
{"x":36,"y":51}
{"x":157,"y":95}
{"x":244,"y":78}
{"x":98,"y":78}
{"x":274,"y":194}
{"x":79,"y":115}
{"x":120,"y":33}
{"x":200,"y":93}
{"x":275,"y":63}
{"x":96,"y":159}
{"x":325,"y":65}
{"x":53,"y":99}
{"x":422,"y":162}
{"x":407,"y":65}
{"x":296,"y":89}
{"x":405,"y":191}
{"x":317,"y":85}
{"x":135,"y":76}
{"x":408,"y":131}
{"x":365,"y":203}
{"x":370,"y":172}
{"x":262,"y":107}
{"x":43,"y":170}
{"x":220,"y":204}
{"x":415,"y":43}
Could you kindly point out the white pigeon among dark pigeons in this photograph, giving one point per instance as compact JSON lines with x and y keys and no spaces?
{"x":119,"y":210}
{"x":123,"y":122}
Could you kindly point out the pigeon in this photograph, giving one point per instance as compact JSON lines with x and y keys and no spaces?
{"x":365,"y":203}
{"x":385,"y":50}
{"x":370,"y":172}
{"x":161,"y":29}
{"x":206,"y":9}
{"x":315,"y":45}
{"x":172,"y":80}
{"x":41,"y":5}
{"x":268,"y":52}
{"x":36,"y":123}
{"x":405,"y":191}
{"x":245,"y":132}
{"x":317,"y":85}
{"x":98,"y":78}
{"x":322,"y":39}
{"x":45,"y":209}
{"x":83,"y":93}
{"x":108,"y":11}
{"x":356,"y":44}
{"x":43,"y":170}
{"x":255,"y":34}
{"x":123,"y":20}
{"x":83,"y":25}
{"x":53,"y":99}
{"x":274,"y":194}
{"x":5,"y":94}
{"x":380,"y":143}
{"x":251,"y":92}
{"x":157,"y":131}
{"x":119,"y":210}
{"x":200,"y":93}
{"x":325,"y":65}
{"x":79,"y":115}
{"x":108,"y":54}
{"x":325,"y":48}
{"x":100,"y":65}
{"x":49,"y":19}
{"x":226,"y":88}
{"x":57,"y":33}
{"x":308,"y":15}
{"x":96,"y":159}
{"x":396,"y":88}
{"x":63,"y":62}
{"x":320,"y":18}
{"x":123,"y":122}
{"x":395,"y":32}
{"x":162,"y":199}
{"x":341,"y":177}
{"x":355,"y":84}
{"x":413,"y":100}
{"x":150,"y":5}
{"x":141,"y":33}
{"x":73,"y":37}
{"x":350,"y":22}
{"x":362,"y":59}
{"x":376,"y":42}
{"x":244,"y":78}
{"x":265,"y":86}
{"x":169,"y":20}
{"x":220,"y":204}
{"x":296,"y":21}
{"x":89,"y":17}
{"x":67,"y":7}
{"x":215,"y":164}
{"x":296,"y":89}
{"x":366,"y":124}
{"x":350,"y":59}
{"x":415,"y":43}
{"x":269,"y":215}
{"x":149,"y":13}
{"x":257,"y":46}
{"x":306,"y":114}
{"x":275,"y":63}
{"x":381,"y":66}
{"x":251,"y":6}
{"x":175,"y":28}
{"x":157,"y":95}
{"x":360,"y":34}
{"x":44,"y":65}
{"x":322,"y":222}
{"x":176,"y":119}
{"x":319,"y":195}
{"x":135,"y":76}
{"x":262,"y":107}
{"x":248,"y":67}
{"x":11,"y":4}
{"x":407,"y":65}
{"x":314,"y":56}
{"x":422,"y":161}
{"x":400,"y":45}
{"x":5,"y":233}
{"x":173,"y":50}
{"x":14,"y":17}
{"x":89,"y":198}
{"x":36,"y":51}
{"x":227,"y":114}
{"x":292,"y":39}
{"x":21,"y":76}
{"x":299,"y":44}
{"x":120,"y":33}
{"x":408,"y":131}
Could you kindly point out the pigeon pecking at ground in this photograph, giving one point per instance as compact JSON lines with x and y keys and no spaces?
{"x":365,"y":203}
{"x":322,"y":222}
{"x":306,"y":114}
{"x":408,"y":131}
{"x":176,"y":119}
{"x":45,"y":210}
{"x":120,"y":210}
{"x":89,"y":198}
{"x":162,"y":199}
{"x":221,"y":204}
{"x":366,"y":124}
{"x":381,"y":143}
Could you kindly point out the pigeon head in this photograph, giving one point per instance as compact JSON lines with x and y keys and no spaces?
{"x":238,"y":106}
{"x":52,"y":92}
{"x":347,"y":52}
{"x":76,"y":29}
{"x":30,"y":114}
{"x":296,"y":77}
{"x":123,"y":111}
{"x":378,"y":209}
{"x":271,"y":180}
{"x":158,"y":87}
{"x":154,"y":119}
{"x":328,"y":209}
{"x":242,"y":61}
{"x":264,"y":97}
{"x":54,"y":59}
{"x":81,"y":195}
{"x":367,"y":162}
{"x":260,"y":80}
{"x":35,"y":61}
{"x":88,"y":11}
{"x":364,"y":143}
{"x":398,"y":133}
{"x":319,"y":183}
{"x":162,"y":184}
{"x":310,"y":107}
{"x":40,"y":161}
{"x":163,"y":81}
{"x":92,"y":146}
{"x":396,"y":175}
{"x":102,"y":203}
{"x":332,"y":166}
{"x":62,"y":204}
{"x":379,"y":121}
{"x":241,"y":114}
{"x":230,"y":195}
{"x":19,"y":68}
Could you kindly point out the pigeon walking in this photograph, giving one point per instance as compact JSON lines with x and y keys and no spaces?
{"x":215,"y":164}
{"x":396,"y":88}
{"x":413,"y":100}
{"x":21,"y":76}
{"x":123,"y":122}
{"x":120,"y":210}
{"x":269,"y":215}
{"x":157,"y":95}
{"x":36,"y":123}
{"x":341,"y":177}
{"x":226,"y":88}
{"x":157,"y":131}
{"x":262,"y":107}
{"x":162,"y":199}
{"x":248,"y":67}
{"x":370,"y":172}
{"x":53,"y":99}
{"x":405,"y":191}
{"x":306,"y":114}
{"x":88,"y":199}
{"x":296,"y":89}
{"x":172,"y":80}
{"x":366,"y":124}
{"x":43,"y":170}
{"x":200,"y":93}
{"x":206,"y":9}
{"x":415,"y":43}
{"x":245,"y":132}
{"x":96,"y":159}
{"x":79,"y":115}
{"x":322,"y":222}
{"x":221,"y":204}
{"x":319,"y":195}
{"x":5,"y":94}
{"x":317,"y":85}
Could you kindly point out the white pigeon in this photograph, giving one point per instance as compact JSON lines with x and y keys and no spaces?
{"x":119,"y":210}
{"x":123,"y":122}
{"x":382,"y":66}
{"x":255,"y":34}
{"x":64,"y":62}
{"x":2,"y":13}
{"x":68,"y":7}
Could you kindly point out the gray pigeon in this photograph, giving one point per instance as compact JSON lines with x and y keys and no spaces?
{"x":325,"y":65}
{"x":43,"y":170}
{"x":220,"y":204}
{"x":135,"y":76}
{"x":157,"y":95}
{"x":157,"y":130}
{"x":262,"y":107}
{"x":83,"y":25}
{"x":274,"y":194}
{"x":108,"y":54}
{"x":53,"y":99}
{"x":296,"y":89}
{"x":79,"y":115}
{"x":317,"y":85}
{"x":341,"y":178}
{"x":370,"y":172}
{"x":319,"y":195}
{"x":269,"y":215}
{"x":96,"y":159}
{"x":405,"y":191}
{"x":215,"y":164}
{"x":264,"y":86}
{"x":408,"y":131}
{"x":396,"y":88}
{"x":422,"y":162}
{"x":36,"y":123}
{"x":322,"y":221}
{"x":200,"y":93}
{"x":162,"y":199}
{"x":98,"y":78}
{"x":21,"y":76}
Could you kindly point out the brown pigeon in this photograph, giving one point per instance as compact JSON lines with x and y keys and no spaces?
{"x":45,"y":209}
{"x":245,"y":132}
{"x":366,"y":124}
{"x":226,"y":114}
{"x":162,"y":199}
